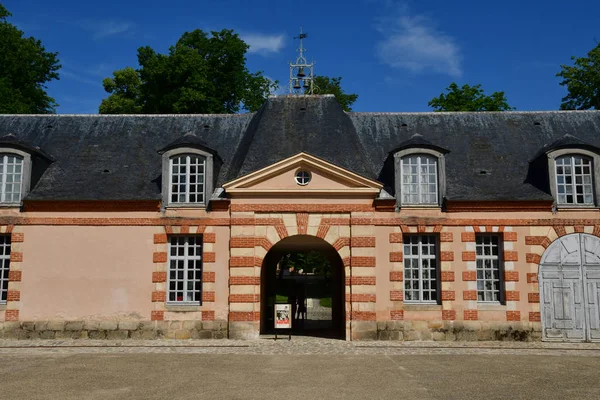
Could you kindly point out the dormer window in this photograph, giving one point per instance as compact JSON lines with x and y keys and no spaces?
{"x":574,"y":180}
{"x":187,"y":182}
{"x":419,"y":173}
{"x":187,"y":173}
{"x":11,"y":178}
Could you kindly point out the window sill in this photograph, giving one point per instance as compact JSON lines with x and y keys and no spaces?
{"x":2,"y":306}
{"x":182,"y":307}
{"x":490,"y":307}
{"x":571,"y":207}
{"x":186,"y":205}
{"x":419,"y":206}
{"x":10,"y":205}
{"x":421,"y":307}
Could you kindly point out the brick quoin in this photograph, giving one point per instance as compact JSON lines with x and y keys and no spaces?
{"x":160,"y":238}
{"x":470,"y":295}
{"x":242,"y":242}
{"x":579,"y":228}
{"x":11,"y":315}
{"x":346,"y":261}
{"x":244,"y":280}
{"x":16,"y":256}
{"x":209,"y":237}
{"x":397,"y":315}
{"x":302,"y":222}
{"x":209,"y":277}
{"x":241,"y":262}
{"x":396,"y":237}
{"x":511,"y":276}
{"x":511,"y":256}
{"x":341,"y":243}
{"x":360,"y":280}
{"x":513,"y":315}
{"x":596,"y":230}
{"x":396,"y":276}
{"x":448,"y":295}
{"x":208,"y":296}
{"x":446,"y":256}
{"x":509,"y":236}
{"x":534,"y":240}
{"x":438,"y":228}
{"x":157,"y":316}
{"x":242,"y":316}
{"x":281,"y":231}
{"x":396,"y":256}
{"x":468,"y":276}
{"x":396,"y":295}
{"x":159,"y":296}
{"x":361,"y":298}
{"x":533,"y":258}
{"x":362,"y":241}
{"x":470,"y":315}
{"x":322,"y":231}
{"x":208,"y":315}
{"x":533,"y":297}
{"x":159,"y":277}
{"x":467,"y":236}
{"x":468,"y":256}
{"x":185,"y":229}
{"x":17,"y":237}
{"x":13,"y":295}
{"x":159,"y":257}
{"x":421,"y":229}
{"x":532,"y":277}
{"x":448,"y":315}
{"x":446,"y":237}
{"x":244,"y":298}
{"x":209,"y":256}
{"x":362,"y":261}
{"x":363,"y":316}
{"x":513,"y":295}
{"x":535,"y":316}
{"x":447,"y":276}
{"x":14,"y":276}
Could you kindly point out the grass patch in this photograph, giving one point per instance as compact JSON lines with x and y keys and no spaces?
{"x":281,"y":298}
{"x":325,"y":302}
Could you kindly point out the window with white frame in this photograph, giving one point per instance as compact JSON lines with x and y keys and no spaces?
{"x":574,"y":180}
{"x":419,"y":175}
{"x":489,"y":268}
{"x":185,"y":269}
{"x":186,"y":185}
{"x":4,"y":266}
{"x":420,"y":269}
{"x":11,"y":178}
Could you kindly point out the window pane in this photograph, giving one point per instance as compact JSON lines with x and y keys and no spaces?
{"x":419,"y":179}
{"x":187,"y":179}
{"x":574,"y":178}
{"x":420,"y":268}
{"x":185,"y":268}
{"x":488,"y":267}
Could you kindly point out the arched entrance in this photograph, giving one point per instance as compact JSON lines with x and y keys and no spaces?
{"x":320,"y":290}
{"x":569,"y":281}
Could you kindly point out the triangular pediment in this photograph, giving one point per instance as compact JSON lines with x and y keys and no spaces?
{"x":325,"y":179}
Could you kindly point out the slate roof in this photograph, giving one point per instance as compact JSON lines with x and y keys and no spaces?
{"x":116,"y":157}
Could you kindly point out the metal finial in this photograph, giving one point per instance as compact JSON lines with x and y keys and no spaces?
{"x":301,"y":71}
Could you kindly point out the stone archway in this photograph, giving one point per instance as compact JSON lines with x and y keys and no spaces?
{"x":569,"y":281}
{"x":335,"y":287}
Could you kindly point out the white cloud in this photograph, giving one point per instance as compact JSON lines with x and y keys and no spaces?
{"x":108,"y":28}
{"x":264,"y":44}
{"x":413,"y":43}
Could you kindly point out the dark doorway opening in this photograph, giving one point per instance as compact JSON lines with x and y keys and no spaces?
{"x":308,"y":273}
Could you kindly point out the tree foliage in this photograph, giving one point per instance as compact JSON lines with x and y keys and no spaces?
{"x":582,"y":81}
{"x":202,"y":73}
{"x":326,"y":85}
{"x":307,"y":261}
{"x":469,"y":98}
{"x":25,"y":68}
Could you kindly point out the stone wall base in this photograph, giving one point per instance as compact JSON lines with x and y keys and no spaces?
{"x":459,"y":331}
{"x":114,"y":330}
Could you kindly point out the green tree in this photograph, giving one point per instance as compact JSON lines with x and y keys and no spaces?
{"x":469,"y":98}
{"x":202,"y":73}
{"x":326,"y":85}
{"x":582,"y":81}
{"x":25,"y":68}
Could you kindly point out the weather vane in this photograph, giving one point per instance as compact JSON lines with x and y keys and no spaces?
{"x":301,"y":71}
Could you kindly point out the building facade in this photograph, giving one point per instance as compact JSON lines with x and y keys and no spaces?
{"x":440,"y":226}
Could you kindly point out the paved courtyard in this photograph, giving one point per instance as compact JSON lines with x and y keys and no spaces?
{"x":305,"y":368}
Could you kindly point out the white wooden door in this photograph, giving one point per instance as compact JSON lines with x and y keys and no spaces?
{"x":570,"y":289}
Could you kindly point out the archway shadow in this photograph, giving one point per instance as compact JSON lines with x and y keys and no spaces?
{"x":323,"y":294}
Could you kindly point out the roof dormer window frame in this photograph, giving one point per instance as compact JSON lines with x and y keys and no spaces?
{"x":441,"y":175}
{"x":554,"y":155}
{"x":25,"y":175}
{"x":167,"y":176}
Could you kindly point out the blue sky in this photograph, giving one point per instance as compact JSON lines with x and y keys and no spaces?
{"x":396,"y":55}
